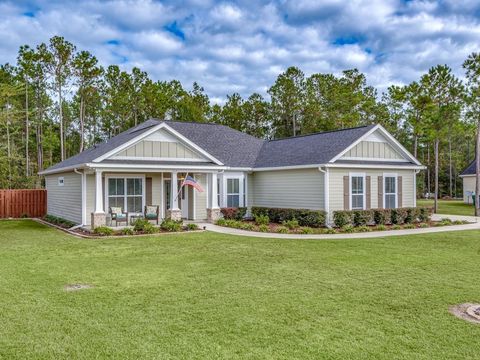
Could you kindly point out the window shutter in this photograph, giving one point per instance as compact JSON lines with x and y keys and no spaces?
{"x":346,"y":193}
{"x":368,"y":193}
{"x":380,"y":192}
{"x":148,"y":191}
{"x":399,"y":192}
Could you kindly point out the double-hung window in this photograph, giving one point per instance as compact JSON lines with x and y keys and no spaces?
{"x":126,"y":193}
{"x":390,"y":191}
{"x":357,"y":191}
{"x":233,"y":192}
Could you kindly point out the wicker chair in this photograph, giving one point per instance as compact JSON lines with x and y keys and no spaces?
{"x":152,"y":212}
{"x":118,"y":215}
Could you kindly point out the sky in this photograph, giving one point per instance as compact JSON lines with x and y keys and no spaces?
{"x":242,"y":46}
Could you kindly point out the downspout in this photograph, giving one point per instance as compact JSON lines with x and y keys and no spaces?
{"x":84,"y":198}
{"x":415,"y":172}
{"x":326,"y":197}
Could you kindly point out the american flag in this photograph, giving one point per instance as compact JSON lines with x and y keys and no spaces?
{"x":189,"y":181}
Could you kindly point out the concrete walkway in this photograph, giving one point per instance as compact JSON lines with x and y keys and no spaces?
{"x":474,"y":224}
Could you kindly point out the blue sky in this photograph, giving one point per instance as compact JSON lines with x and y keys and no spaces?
{"x":242,"y":46}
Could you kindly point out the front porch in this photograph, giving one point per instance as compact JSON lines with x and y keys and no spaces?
{"x":133,"y":191}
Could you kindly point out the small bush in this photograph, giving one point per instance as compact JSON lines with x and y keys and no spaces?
{"x":423,"y":225}
{"x":139,"y":224}
{"x":396,"y":227}
{"x":409,"y":226}
{"x":382,"y":216}
{"x":329,"y":231}
{"x":424,"y":214}
{"x":381,"y":227}
{"x":233,"y":213}
{"x":103,"y":231}
{"x":282,"y":230}
{"x":127,"y":231}
{"x":263,"y":228}
{"x":305,"y":217}
{"x":363,"y":228}
{"x":291,"y":224}
{"x":192,"y":227}
{"x":446,"y":221}
{"x":59,"y":221}
{"x":348,"y":228}
{"x":171,"y":225}
{"x":262,"y":219}
{"x":248,"y":226}
{"x":149,"y":228}
{"x":362,"y":217}
{"x":307,"y":230}
{"x":460,"y":222}
{"x":221,"y":222}
{"x":342,"y":218}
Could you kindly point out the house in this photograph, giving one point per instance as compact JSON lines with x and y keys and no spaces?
{"x":468,"y":177}
{"x":357,"y":168}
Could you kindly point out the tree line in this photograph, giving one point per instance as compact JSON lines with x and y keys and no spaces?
{"x":57,"y":101}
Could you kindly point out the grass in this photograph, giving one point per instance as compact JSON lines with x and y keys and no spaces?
{"x":450,"y":207}
{"x":212,"y":296}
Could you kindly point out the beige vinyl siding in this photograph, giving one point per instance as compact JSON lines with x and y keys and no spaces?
{"x":157,"y":188}
{"x":250,"y":195}
{"x":374,"y":150}
{"x":201,"y":198}
{"x":468,"y":186}
{"x":158,"y":149}
{"x":336,"y":185}
{"x":296,"y":189}
{"x":65,"y":201}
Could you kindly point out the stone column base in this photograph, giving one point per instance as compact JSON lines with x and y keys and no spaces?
{"x":98,"y":219}
{"x":174,"y":214}
{"x":213,"y":215}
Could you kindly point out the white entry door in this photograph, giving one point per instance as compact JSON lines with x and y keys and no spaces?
{"x":183,"y":201}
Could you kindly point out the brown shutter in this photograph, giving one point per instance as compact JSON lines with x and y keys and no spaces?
{"x":148,"y":191}
{"x":346,"y":193}
{"x":368,"y":192}
{"x":380,"y":192}
{"x":399,"y":192}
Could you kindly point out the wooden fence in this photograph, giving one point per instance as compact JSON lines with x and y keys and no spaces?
{"x":23,"y":203}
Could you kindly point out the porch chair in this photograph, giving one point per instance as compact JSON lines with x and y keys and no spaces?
{"x":152,"y":212}
{"x":118,"y":215}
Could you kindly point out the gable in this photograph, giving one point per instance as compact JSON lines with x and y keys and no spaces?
{"x":160,"y":145}
{"x":375,"y":146}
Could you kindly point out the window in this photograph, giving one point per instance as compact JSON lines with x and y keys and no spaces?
{"x":357,"y":184}
{"x":61,"y":181}
{"x":233,"y":192}
{"x":126,"y":193}
{"x":390,"y":191}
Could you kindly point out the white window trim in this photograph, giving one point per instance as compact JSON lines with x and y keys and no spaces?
{"x":241,"y":178}
{"x":61,"y":181}
{"x":362,"y":175}
{"x":125,"y":177}
{"x":394,"y":175}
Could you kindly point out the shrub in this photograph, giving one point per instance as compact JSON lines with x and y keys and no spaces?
{"x":460,"y":222}
{"x":411,"y":215}
{"x":396,"y":216}
{"x":248,"y":226}
{"x":262,"y":219}
{"x":192,"y":227}
{"x":148,"y":228}
{"x":362,"y":217}
{"x":446,"y":221}
{"x":233,"y":213}
{"x":139,"y":224}
{"x":329,"y":231}
{"x":282,"y":230}
{"x":263,"y":228}
{"x":348,"y":228}
{"x":127,"y":231}
{"x":396,"y":227}
{"x":59,"y":221}
{"x":221,"y":222}
{"x":103,"y":231}
{"x":381,"y":227}
{"x":342,"y":218}
{"x":291,"y":224}
{"x":424,"y":213}
{"x":363,"y":228}
{"x":382,"y":216}
{"x":423,"y":225}
{"x":305,"y":217}
{"x":171,"y":225}
{"x":409,"y":226}
{"x":307,"y":230}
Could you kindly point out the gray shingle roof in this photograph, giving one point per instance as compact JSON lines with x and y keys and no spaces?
{"x":317,"y":148}
{"x":470,"y":170}
{"x":236,"y":149}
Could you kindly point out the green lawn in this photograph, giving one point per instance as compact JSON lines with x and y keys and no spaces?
{"x":212,"y":296}
{"x":450,"y":207}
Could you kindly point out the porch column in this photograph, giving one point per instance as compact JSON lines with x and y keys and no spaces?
{"x":213,"y":213}
{"x":98,"y":217}
{"x":174,"y":212}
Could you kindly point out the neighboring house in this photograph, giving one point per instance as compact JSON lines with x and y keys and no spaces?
{"x":357,"y":168}
{"x":468,"y":176}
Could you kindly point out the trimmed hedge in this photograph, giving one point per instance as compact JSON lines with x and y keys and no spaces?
{"x":233,"y":213}
{"x":305,"y":217}
{"x":398,"y":216}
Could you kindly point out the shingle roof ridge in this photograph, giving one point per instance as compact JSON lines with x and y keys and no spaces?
{"x":322,"y":132}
